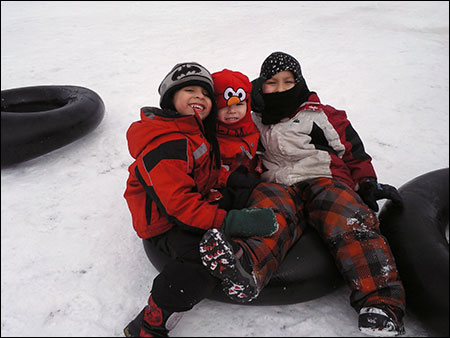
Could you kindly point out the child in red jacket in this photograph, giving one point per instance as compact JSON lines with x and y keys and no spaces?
{"x":173,"y":202}
{"x":237,"y":134}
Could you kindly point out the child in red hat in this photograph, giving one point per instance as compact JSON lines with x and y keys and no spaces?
{"x":237,"y":134}
{"x":238,"y":137}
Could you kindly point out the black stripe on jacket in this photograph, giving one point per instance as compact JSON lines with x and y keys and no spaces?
{"x":357,"y":150}
{"x":171,"y":150}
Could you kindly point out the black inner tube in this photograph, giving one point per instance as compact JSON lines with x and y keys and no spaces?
{"x":307,"y":272}
{"x":33,"y":107}
{"x":417,"y":237}
{"x":40,"y":119}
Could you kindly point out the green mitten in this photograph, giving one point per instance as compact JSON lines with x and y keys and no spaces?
{"x":260,"y":222}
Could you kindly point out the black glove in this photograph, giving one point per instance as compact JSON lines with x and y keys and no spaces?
{"x":257,"y":100}
{"x":242,"y":178}
{"x":240,"y":185}
{"x":260,"y":222}
{"x":371,"y":191}
{"x":234,"y":198}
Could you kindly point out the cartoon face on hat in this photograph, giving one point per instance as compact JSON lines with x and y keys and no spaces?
{"x":231,"y":88}
{"x":234,"y":96}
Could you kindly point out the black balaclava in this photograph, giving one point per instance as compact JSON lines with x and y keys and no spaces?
{"x":282,"y":104}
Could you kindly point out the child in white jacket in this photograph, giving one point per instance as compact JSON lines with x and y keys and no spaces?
{"x":313,"y":149}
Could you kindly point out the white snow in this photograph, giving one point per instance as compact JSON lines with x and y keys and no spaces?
{"x":71,"y":264}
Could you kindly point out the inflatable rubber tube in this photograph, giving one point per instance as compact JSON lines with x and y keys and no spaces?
{"x":37,"y":120}
{"x":418,"y":240}
{"x":308,"y":272}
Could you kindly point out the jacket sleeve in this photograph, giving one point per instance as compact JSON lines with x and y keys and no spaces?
{"x":355,"y":156}
{"x":224,"y":174}
{"x":166,"y":172}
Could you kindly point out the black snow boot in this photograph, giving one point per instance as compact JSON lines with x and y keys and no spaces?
{"x":152,"y":321}
{"x":381,"y":320}
{"x":225,"y":260}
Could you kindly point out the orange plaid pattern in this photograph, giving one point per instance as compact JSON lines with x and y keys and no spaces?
{"x":268,"y":252}
{"x":351,"y":231}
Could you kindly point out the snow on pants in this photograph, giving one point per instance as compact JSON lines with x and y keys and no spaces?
{"x":351,"y":232}
{"x":184,"y":281}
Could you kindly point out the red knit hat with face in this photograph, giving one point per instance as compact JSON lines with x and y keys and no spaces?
{"x":230,"y":88}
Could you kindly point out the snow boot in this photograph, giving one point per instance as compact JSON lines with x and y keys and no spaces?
{"x":381,"y":320}
{"x":225,"y":260}
{"x":152,"y":321}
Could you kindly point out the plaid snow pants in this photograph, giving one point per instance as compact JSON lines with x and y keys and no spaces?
{"x":184,"y":281}
{"x":266,"y":253}
{"x":351,"y":232}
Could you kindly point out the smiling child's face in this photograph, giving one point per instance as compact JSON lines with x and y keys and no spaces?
{"x":191,"y":99}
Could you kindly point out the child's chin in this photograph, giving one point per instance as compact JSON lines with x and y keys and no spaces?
{"x":231,"y":121}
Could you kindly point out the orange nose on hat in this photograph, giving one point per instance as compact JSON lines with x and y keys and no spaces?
{"x":233,"y":100}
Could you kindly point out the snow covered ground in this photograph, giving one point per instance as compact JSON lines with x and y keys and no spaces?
{"x":71,"y":264}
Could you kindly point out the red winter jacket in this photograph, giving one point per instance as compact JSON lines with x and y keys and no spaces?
{"x":172,"y":178}
{"x":238,"y":145}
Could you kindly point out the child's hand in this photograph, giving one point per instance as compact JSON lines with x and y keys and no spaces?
{"x":371,"y":191}
{"x":242,"y":178}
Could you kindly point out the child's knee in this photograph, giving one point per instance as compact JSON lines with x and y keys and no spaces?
{"x":273,"y":195}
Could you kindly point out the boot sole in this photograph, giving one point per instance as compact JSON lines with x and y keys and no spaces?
{"x":217,"y":255}
{"x":375,"y":322}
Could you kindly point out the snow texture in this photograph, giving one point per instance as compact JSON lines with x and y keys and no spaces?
{"x":71,"y":264}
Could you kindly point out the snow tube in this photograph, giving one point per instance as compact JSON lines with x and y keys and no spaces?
{"x":308,"y":272}
{"x":37,"y":120}
{"x":418,"y":237}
